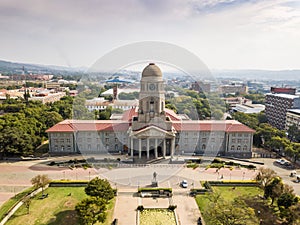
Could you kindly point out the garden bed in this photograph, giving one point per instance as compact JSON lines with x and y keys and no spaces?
{"x":157,"y":217}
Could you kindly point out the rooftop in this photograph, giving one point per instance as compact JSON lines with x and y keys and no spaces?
{"x":284,"y":96}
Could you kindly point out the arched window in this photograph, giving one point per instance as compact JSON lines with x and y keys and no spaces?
{"x":245,"y":147}
{"x":203,"y":147}
{"x":232,"y":147}
{"x":238,"y":147}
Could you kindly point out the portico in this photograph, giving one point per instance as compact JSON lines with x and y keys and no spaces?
{"x":153,"y":140}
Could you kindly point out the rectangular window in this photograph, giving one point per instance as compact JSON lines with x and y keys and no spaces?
{"x":62,"y":140}
{"x":106,"y":140}
{"x":239,"y":141}
{"x":203,"y":139}
{"x":89,"y":140}
{"x":233,"y":140}
{"x":68,"y":140}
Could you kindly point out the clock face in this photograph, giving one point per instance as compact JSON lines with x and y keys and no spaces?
{"x":152,"y":87}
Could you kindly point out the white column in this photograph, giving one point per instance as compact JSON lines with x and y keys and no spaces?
{"x":148,"y":148}
{"x":172,"y":147}
{"x":140,"y":148}
{"x":131,"y":146}
{"x":164,"y":148}
{"x":155,"y":149}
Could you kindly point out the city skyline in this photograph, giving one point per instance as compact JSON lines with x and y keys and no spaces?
{"x":224,"y":34}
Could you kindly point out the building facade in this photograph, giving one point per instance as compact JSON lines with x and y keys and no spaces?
{"x":277,"y":106}
{"x":151,"y":130}
{"x":292,"y":118}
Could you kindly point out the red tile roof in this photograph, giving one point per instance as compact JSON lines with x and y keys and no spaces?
{"x":125,"y":123}
{"x":211,"y":125}
{"x":128,"y":114}
{"x":89,"y":125}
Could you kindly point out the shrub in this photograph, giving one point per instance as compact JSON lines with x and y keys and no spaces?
{"x":216,"y":160}
{"x":52,"y":163}
{"x":172,"y":207}
{"x":140,"y":208}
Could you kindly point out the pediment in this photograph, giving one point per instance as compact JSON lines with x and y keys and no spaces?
{"x":153,"y":132}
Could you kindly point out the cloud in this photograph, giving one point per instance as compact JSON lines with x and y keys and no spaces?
{"x":77,"y":32}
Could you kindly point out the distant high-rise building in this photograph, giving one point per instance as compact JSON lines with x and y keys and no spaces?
{"x":200,"y":86}
{"x":277,"y":105}
{"x":233,"y":88}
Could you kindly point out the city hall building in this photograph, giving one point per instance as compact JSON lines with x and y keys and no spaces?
{"x":151,"y":130}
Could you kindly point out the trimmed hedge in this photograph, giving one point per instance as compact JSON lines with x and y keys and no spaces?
{"x":208,"y":184}
{"x":235,"y":183}
{"x":68,"y":183}
{"x":154,"y":189}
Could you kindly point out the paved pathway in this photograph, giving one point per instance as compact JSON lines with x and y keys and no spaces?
{"x":127,"y":202}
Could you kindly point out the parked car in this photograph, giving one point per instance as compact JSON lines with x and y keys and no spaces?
{"x":280,"y":161}
{"x":184,"y":184}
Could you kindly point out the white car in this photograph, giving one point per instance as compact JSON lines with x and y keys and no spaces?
{"x":184,"y":184}
{"x":280,"y":161}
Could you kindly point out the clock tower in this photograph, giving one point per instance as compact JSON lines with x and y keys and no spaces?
{"x":151,"y":98}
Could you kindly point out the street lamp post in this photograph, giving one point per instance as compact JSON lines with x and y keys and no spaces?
{"x":243,"y":175}
{"x":89,"y":175}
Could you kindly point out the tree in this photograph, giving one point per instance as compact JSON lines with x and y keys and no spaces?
{"x":40,"y":181}
{"x":293,"y":150}
{"x":274,"y":189}
{"x":293,"y":133}
{"x":265,"y":176}
{"x":286,"y":200}
{"x":230,"y":213}
{"x":91,"y":210}
{"x":278,"y":143}
{"x":27,"y":202}
{"x":99,"y":188}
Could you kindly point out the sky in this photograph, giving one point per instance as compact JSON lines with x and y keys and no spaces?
{"x":224,"y":34}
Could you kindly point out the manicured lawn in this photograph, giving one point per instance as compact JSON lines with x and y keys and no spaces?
{"x":57,"y":208}
{"x":229,"y":193}
{"x":157,"y":217}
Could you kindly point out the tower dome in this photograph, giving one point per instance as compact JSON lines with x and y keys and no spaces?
{"x":152,"y":70}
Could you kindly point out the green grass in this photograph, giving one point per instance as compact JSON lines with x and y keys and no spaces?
{"x":13,"y":201}
{"x":229,"y":193}
{"x":57,"y":208}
